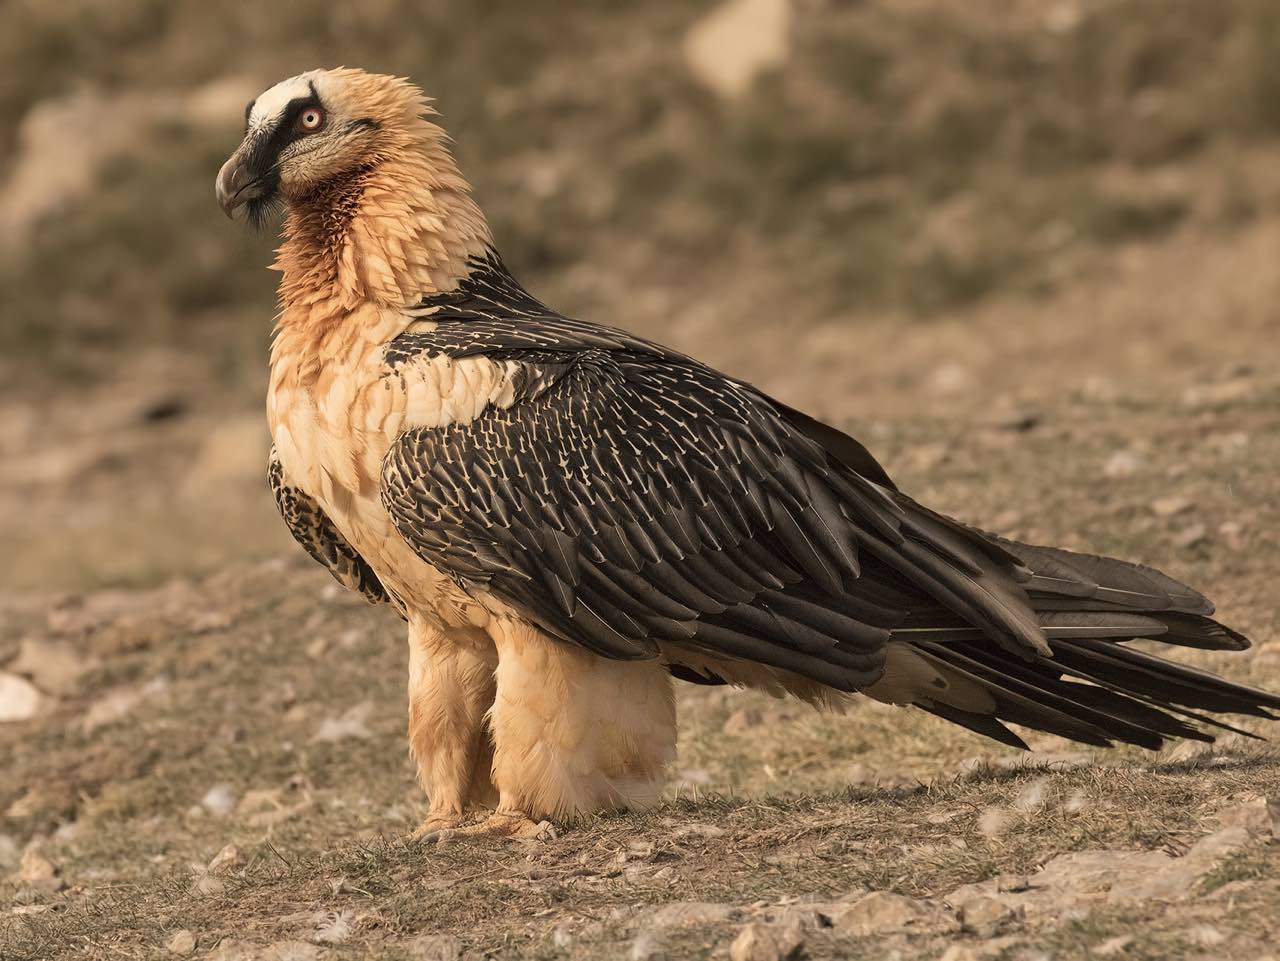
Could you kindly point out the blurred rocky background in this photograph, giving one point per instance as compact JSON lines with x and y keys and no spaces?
{"x":867,"y":206}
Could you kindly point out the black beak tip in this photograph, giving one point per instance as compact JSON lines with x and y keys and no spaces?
{"x":228,"y":194}
{"x":234,"y":186}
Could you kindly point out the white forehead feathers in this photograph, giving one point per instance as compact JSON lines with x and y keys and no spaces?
{"x":272,"y":102}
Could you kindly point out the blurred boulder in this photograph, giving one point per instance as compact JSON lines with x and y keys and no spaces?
{"x":729,"y":47}
{"x":19,"y":698}
{"x":54,"y":666}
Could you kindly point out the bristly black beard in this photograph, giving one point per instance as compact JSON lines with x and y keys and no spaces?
{"x":261,"y":212}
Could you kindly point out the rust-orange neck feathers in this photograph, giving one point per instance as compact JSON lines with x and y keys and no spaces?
{"x":384,"y":235}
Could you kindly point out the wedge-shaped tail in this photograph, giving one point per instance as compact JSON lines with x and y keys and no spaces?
{"x":1091,"y":686}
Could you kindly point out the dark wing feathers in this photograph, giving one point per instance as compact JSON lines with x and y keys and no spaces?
{"x":311,"y":528}
{"x":839,"y":446}
{"x":627,"y":506}
{"x":1058,"y":571}
{"x":632,"y":498}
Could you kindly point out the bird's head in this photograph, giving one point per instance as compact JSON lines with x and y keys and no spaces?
{"x":321,"y":127}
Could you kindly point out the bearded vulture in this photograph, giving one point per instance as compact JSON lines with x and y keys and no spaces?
{"x":568,"y":516}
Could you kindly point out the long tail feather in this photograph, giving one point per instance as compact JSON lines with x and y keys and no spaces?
{"x":1089,"y":685}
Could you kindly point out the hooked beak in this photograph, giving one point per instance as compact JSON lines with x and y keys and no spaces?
{"x":237,"y":184}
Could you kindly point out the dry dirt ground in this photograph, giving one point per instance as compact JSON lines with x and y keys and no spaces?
{"x":218,"y":762}
{"x":1027,"y":252}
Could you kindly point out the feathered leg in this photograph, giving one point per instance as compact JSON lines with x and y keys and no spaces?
{"x":573,"y":733}
{"x":451,"y":686}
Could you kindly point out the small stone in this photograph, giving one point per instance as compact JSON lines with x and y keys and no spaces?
{"x":1232,"y":535}
{"x":1206,"y":936}
{"x":219,"y":800}
{"x":743,"y":720}
{"x":881,"y":911}
{"x":987,"y":917}
{"x":350,"y":724}
{"x":35,"y":868}
{"x":19,"y":698}
{"x":54,"y":666}
{"x":1116,"y":945}
{"x":116,"y":706}
{"x":1122,"y":463}
{"x":760,"y":942}
{"x":1171,"y":505}
{"x":225,"y":860}
{"x":182,"y":942}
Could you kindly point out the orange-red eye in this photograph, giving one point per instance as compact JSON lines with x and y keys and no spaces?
{"x":311,"y":120}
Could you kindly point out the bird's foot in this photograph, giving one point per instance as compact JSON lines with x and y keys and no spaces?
{"x":436,"y":825}
{"x":500,"y":824}
{"x":510,"y":824}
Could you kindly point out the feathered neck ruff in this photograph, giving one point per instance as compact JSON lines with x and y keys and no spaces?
{"x":387,"y":234}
